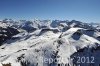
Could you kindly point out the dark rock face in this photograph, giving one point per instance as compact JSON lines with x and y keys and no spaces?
{"x":7,"y":33}
{"x":47,"y":29}
{"x":6,"y":64}
{"x":98,"y":38}
{"x":89,"y":32}
{"x":77,"y":35}
{"x":29,"y":29}
{"x":28,"y":26}
{"x":86,"y":56}
{"x":56,"y":23}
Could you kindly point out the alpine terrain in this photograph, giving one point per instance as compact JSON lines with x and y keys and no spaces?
{"x":49,"y":43}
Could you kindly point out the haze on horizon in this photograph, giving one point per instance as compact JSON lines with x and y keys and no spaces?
{"x":81,"y":10}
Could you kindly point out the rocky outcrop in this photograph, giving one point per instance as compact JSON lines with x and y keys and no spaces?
{"x":7,"y":33}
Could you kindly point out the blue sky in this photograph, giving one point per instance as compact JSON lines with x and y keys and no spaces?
{"x":82,"y":10}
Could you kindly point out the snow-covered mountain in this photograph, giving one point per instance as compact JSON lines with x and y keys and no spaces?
{"x":49,"y":43}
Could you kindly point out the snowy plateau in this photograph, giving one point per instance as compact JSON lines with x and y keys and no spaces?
{"x":49,"y":43}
